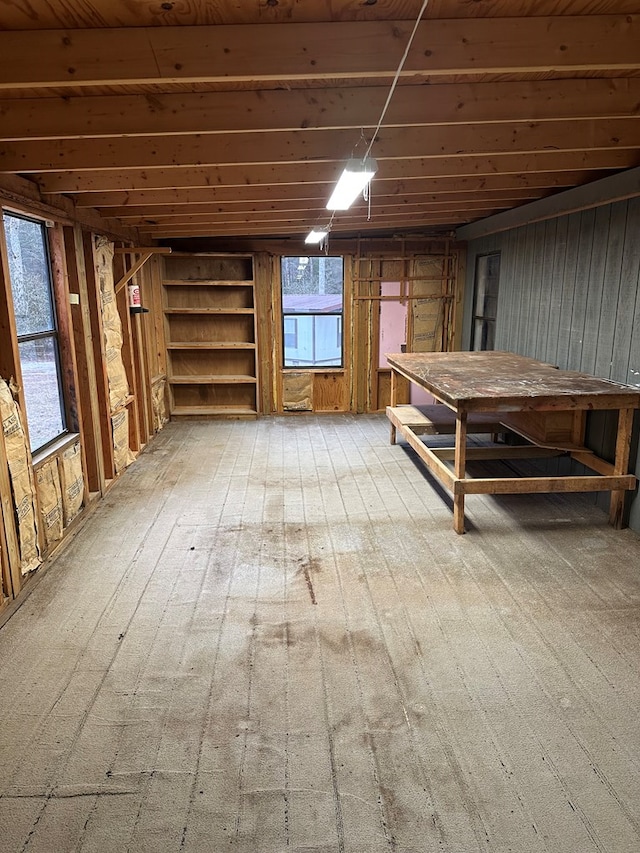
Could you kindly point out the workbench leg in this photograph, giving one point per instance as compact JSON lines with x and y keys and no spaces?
{"x":394,"y":398}
{"x":459,"y":469}
{"x":621,"y":465}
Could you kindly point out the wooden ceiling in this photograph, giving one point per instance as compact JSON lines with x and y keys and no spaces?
{"x":233,"y":118}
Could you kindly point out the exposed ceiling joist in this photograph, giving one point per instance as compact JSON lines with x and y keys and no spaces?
{"x":318,"y":146}
{"x":339,"y":50}
{"x":354,"y":107}
{"x":103,"y":180}
{"x":221,"y":124}
{"x":147,"y":199}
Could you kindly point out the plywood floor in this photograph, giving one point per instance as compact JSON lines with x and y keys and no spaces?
{"x":268,"y":639}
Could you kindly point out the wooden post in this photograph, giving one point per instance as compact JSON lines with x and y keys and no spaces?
{"x":621,"y":465}
{"x":88,"y":393}
{"x":97,"y":335}
{"x":394,"y":394}
{"x":459,"y":469}
{"x":128,"y":355}
{"x":268,"y":366}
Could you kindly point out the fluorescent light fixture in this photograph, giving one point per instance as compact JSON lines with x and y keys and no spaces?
{"x":315,"y":236}
{"x":355,"y":177}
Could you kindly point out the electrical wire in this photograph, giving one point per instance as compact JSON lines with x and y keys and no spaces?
{"x":325,"y":242}
{"x":395,"y":79}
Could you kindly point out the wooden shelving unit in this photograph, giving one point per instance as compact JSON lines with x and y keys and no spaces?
{"x":210,"y":325}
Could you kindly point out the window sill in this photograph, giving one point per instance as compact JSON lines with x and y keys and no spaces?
{"x":61,"y":443}
{"x":302,"y":369}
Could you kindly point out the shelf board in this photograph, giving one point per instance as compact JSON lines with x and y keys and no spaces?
{"x":213,"y":410}
{"x":209,"y":311}
{"x":210,"y":345}
{"x":208,"y":282}
{"x":213,"y":379}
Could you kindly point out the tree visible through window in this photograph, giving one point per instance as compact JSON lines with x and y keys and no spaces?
{"x":312,"y":296}
{"x":34,"y":309}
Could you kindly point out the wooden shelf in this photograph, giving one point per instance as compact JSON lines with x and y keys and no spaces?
{"x":209,"y":311}
{"x":213,"y":379}
{"x":210,"y":345}
{"x":177,"y":282}
{"x":210,"y":299}
{"x":213,"y":410}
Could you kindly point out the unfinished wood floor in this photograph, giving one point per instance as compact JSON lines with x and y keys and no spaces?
{"x":269,"y":639}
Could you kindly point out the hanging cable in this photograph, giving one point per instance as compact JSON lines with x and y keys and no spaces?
{"x":395,"y":79}
{"x":367,"y":191}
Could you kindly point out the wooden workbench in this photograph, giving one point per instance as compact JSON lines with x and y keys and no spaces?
{"x":542,"y":404}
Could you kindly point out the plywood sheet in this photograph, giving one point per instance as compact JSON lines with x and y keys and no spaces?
{"x":329,"y":392}
{"x":22,"y":481}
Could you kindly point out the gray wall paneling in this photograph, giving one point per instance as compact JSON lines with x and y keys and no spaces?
{"x":570,"y":295}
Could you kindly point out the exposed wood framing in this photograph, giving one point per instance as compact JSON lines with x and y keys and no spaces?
{"x":340,"y":50}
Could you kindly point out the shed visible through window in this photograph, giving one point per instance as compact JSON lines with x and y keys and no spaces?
{"x":312,"y":302}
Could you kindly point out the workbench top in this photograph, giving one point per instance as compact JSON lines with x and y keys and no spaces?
{"x":503,"y":381}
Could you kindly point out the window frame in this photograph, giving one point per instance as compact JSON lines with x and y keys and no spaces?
{"x":310,"y":314}
{"x":52,"y":334}
{"x":293,"y":334}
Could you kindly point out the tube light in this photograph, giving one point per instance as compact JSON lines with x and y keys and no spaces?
{"x":315,"y":236}
{"x":355,"y":177}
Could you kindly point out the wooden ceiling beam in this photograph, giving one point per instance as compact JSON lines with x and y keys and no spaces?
{"x":105,"y":180}
{"x":298,"y":232}
{"x":340,"y":50}
{"x":314,"y":217}
{"x":314,"y":210}
{"x":317,"y":146}
{"x":359,"y":107}
{"x":125,"y":200}
{"x":418,"y":199}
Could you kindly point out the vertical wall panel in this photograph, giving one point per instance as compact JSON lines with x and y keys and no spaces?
{"x":568,"y":289}
{"x":595,"y":289}
{"x":545,"y":289}
{"x":626,"y":344}
{"x":583,"y":270}
{"x":556,"y":280}
{"x":611,"y":291}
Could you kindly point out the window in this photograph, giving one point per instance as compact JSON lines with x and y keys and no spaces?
{"x":485,"y":302}
{"x":312,"y":296}
{"x":30,"y":274}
